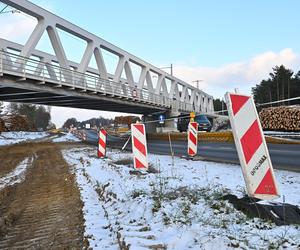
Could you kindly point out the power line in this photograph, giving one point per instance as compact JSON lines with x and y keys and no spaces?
{"x":1,"y":12}
{"x":9,"y":11}
{"x":266,"y":103}
{"x":283,"y":100}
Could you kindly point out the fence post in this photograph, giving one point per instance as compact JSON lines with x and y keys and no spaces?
{"x":73,"y":79}
{"x":85,"y":82}
{"x":43,"y":72}
{"x":24,"y":69}
{"x":1,"y":62}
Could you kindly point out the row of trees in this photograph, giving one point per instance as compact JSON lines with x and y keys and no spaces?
{"x":98,"y":122}
{"x":282,"y":84}
{"x":38,"y":116}
{"x":101,"y":122}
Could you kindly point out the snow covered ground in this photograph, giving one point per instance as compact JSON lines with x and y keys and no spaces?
{"x":69,"y":137}
{"x":17,"y":175}
{"x":177,"y":208}
{"x":288,"y":135}
{"x":7,"y":138}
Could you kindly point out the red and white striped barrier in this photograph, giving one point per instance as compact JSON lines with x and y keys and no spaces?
{"x":139,"y":146}
{"x":84,"y":136}
{"x":102,"y":143}
{"x":251,"y":146}
{"x":192,"y":138}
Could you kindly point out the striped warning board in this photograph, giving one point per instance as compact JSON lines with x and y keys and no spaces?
{"x":251,"y":146}
{"x":139,"y":146}
{"x":192,"y":138}
{"x":102,"y":143}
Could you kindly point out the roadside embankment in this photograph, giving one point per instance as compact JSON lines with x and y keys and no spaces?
{"x":225,"y":136}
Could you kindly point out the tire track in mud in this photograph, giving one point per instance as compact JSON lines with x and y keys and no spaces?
{"x":44,"y":211}
{"x":10,"y":157}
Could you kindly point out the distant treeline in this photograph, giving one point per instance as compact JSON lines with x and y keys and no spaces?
{"x":98,"y":122}
{"x":282,"y":84}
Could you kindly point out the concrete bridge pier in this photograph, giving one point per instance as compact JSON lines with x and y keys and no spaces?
{"x":152,"y":124}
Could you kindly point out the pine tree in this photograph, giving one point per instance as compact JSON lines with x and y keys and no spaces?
{"x":282,"y":84}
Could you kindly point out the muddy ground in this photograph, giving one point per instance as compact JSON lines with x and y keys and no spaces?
{"x":44,"y":211}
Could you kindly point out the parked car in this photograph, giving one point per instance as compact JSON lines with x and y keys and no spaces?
{"x":203,"y":123}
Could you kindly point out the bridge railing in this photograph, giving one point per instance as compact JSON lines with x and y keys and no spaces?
{"x":42,"y":72}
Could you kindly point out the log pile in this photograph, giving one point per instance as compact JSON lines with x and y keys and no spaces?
{"x":280,"y":118}
{"x":16,"y":123}
{"x":19,"y":123}
{"x":2,"y":126}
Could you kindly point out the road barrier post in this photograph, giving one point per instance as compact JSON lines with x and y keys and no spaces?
{"x":102,"y":143}
{"x":251,"y":147}
{"x":192,"y":138}
{"x":139,"y":146}
{"x":126,"y":143}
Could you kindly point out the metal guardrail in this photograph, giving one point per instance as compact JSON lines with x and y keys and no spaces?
{"x":23,"y":67}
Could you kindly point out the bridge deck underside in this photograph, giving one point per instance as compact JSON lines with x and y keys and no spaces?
{"x":24,"y":91}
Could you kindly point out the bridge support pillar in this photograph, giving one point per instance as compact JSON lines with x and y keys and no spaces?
{"x":153,"y":126}
{"x":171,"y":125}
{"x":150,"y":125}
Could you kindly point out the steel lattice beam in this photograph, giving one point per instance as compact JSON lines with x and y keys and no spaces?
{"x":50,"y":23}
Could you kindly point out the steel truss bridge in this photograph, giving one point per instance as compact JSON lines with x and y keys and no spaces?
{"x":28,"y":75}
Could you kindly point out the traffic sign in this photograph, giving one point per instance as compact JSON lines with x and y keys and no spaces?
{"x":251,"y":146}
{"x":192,"y":116}
{"x":161,"y":119}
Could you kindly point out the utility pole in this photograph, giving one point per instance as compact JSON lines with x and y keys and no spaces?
{"x":198,"y":81}
{"x":277,"y":88}
{"x":170,"y":67}
{"x":222,"y":101}
{"x":289,"y":90}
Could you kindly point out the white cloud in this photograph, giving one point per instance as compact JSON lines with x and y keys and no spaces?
{"x":242,"y":75}
{"x":16,"y":27}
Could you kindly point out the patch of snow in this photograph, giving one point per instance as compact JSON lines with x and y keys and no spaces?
{"x":17,"y":175}
{"x":69,"y":137}
{"x":286,"y":135}
{"x":7,"y":138}
{"x":281,"y":133}
{"x":178,"y":208}
{"x":94,"y":215}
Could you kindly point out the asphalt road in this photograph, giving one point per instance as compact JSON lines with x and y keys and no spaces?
{"x":283,"y":156}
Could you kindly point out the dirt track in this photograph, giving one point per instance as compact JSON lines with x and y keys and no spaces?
{"x":44,"y":211}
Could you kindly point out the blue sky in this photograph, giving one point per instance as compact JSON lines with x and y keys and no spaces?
{"x":227,"y":44}
{"x":209,"y":33}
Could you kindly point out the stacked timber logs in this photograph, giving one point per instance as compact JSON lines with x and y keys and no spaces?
{"x":16,"y":122}
{"x":19,"y":123}
{"x":284,"y":118}
{"x":2,"y":126}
